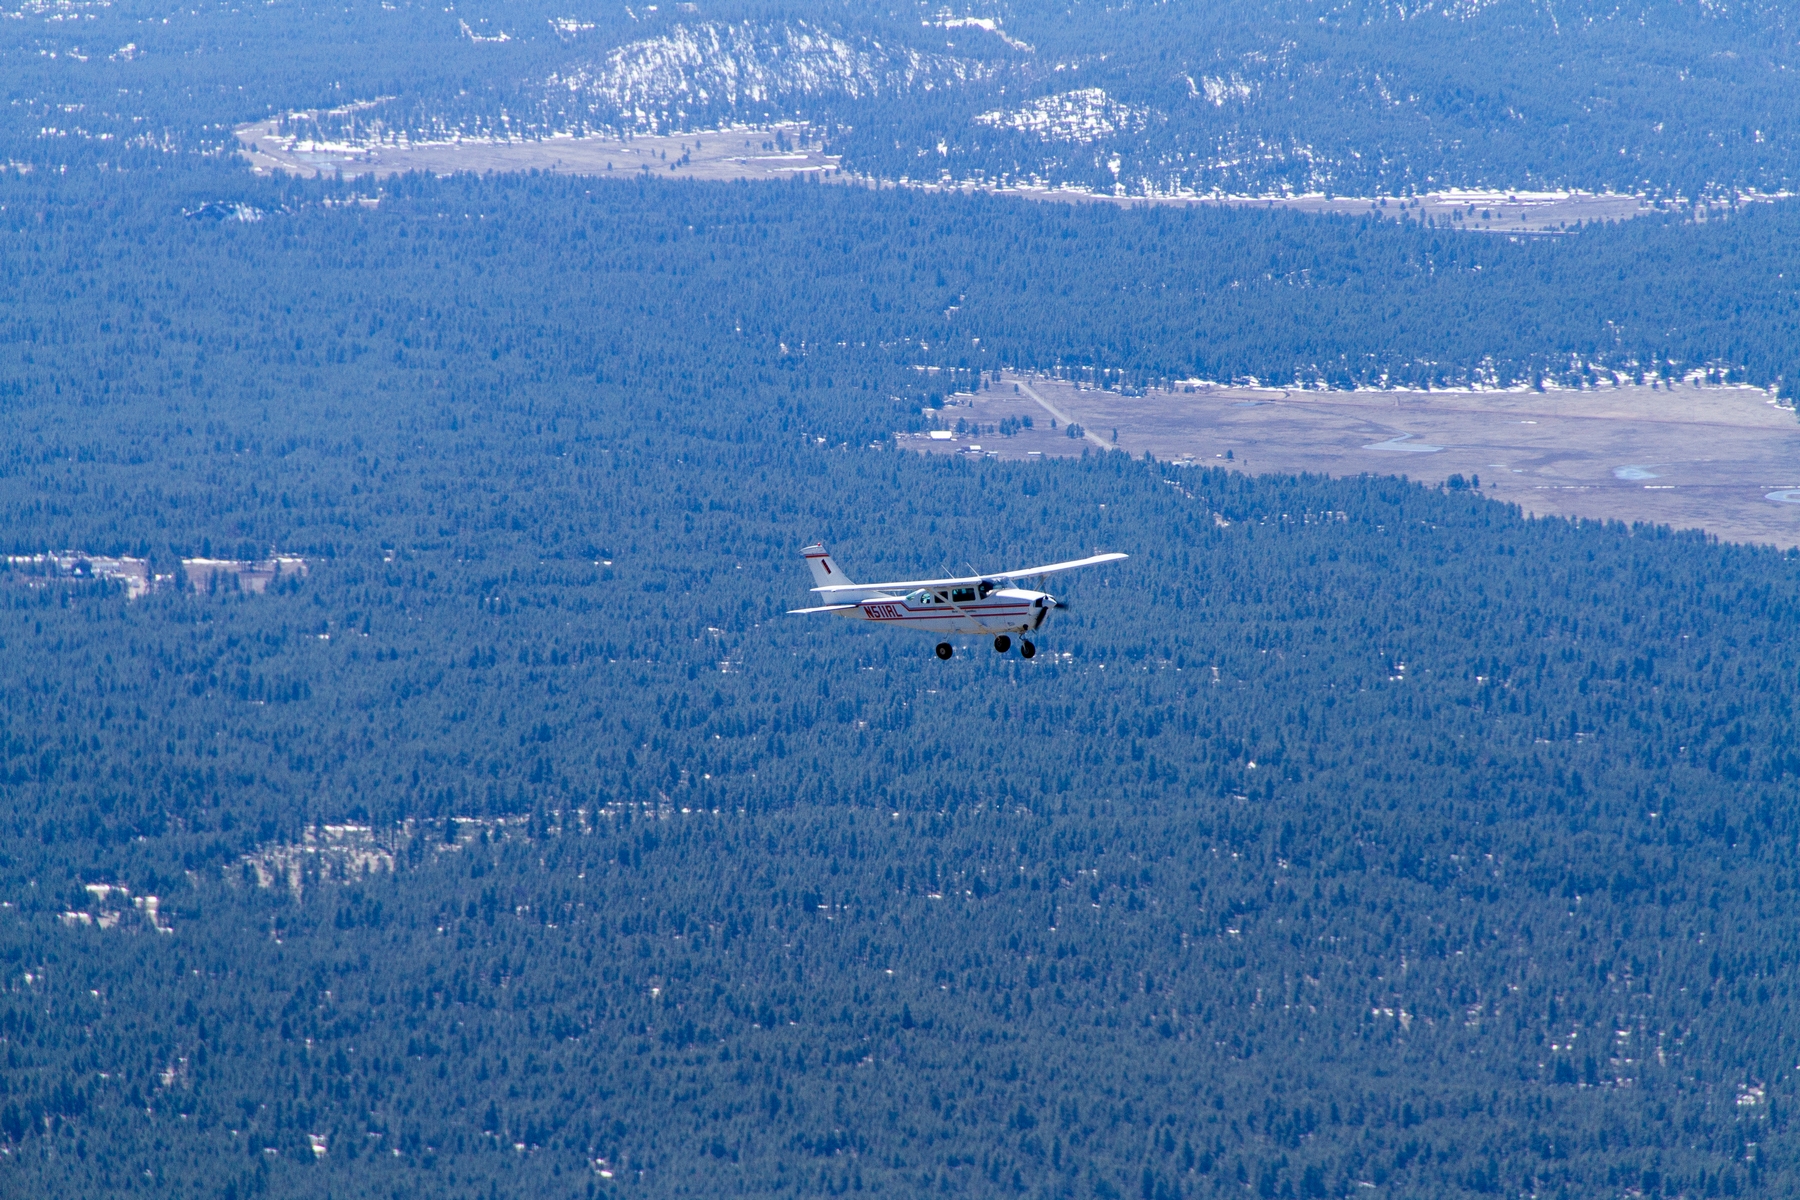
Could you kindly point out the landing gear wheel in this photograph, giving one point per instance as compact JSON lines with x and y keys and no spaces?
{"x":944,"y":651}
{"x":1027,"y":650}
{"x":1002,"y":644}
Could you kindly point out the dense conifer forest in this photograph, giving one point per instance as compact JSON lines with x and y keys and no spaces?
{"x":1354,"y":836}
{"x":845,"y":280}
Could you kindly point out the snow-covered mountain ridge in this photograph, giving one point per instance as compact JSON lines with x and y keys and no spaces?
{"x":716,"y":66}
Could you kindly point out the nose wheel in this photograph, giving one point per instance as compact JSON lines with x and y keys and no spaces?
{"x":944,"y":650}
{"x":1027,"y":650}
{"x":1002,"y":644}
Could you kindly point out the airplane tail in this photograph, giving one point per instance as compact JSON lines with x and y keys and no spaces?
{"x":825,"y":572}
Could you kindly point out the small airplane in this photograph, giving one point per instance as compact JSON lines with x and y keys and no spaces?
{"x":974,"y":604}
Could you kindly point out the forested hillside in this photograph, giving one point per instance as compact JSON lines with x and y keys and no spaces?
{"x":1351,"y":832}
{"x":1668,"y":97}
{"x":1365,"y":97}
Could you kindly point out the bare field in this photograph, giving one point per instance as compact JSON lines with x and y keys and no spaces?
{"x":716,"y":155}
{"x":1480,"y":212}
{"x":1722,"y":459}
{"x":1477,"y":212}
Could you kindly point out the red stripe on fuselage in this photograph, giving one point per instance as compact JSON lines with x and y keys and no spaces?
{"x":899,"y":612}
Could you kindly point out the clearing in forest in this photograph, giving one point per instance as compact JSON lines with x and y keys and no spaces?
{"x":784,"y":150}
{"x":772,"y":152}
{"x":1691,"y":456}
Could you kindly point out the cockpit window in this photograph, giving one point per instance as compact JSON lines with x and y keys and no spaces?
{"x":963,"y":595}
{"x":985,"y":588}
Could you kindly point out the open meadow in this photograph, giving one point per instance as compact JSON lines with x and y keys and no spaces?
{"x":784,"y":150}
{"x":1722,"y":459}
{"x":744,"y":153}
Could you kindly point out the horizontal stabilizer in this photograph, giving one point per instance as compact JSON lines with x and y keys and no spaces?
{"x":824,"y":608}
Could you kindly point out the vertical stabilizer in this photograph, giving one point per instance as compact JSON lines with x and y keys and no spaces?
{"x":825,"y":572}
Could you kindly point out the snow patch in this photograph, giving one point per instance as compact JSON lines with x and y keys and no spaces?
{"x":570,"y":28}
{"x":1454,"y":10}
{"x":483,"y":38}
{"x":1082,"y":116}
{"x":1217,"y":90}
{"x":990,"y":24}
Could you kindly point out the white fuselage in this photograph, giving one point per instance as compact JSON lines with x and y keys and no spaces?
{"x":977,"y":610}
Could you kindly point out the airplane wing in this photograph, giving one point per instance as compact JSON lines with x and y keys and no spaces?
{"x":907,"y":585}
{"x":1057,"y":568}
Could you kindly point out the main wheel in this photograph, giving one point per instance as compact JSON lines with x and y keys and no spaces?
{"x":1002,"y":644}
{"x":944,"y":651}
{"x":1027,"y":650}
